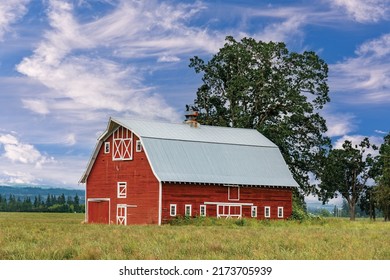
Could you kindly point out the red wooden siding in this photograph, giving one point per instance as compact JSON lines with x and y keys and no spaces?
{"x":142,"y":186}
{"x":196,"y":195}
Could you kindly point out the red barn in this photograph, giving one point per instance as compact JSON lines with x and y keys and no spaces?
{"x":144,"y":172}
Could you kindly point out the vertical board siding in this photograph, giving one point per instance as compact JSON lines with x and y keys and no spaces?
{"x":142,"y":185}
{"x":196,"y":195}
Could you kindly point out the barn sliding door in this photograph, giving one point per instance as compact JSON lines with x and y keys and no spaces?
{"x":121,"y":214}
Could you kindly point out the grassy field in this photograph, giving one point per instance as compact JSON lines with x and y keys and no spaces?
{"x":30,"y":236}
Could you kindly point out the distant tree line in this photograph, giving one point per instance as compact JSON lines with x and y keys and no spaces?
{"x":51,"y":203}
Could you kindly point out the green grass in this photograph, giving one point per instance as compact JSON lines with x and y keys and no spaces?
{"x":30,"y":236}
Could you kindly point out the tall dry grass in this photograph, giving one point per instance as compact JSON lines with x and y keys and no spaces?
{"x":31,"y":236}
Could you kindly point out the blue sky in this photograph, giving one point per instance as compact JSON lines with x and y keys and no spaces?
{"x":66,"y":66}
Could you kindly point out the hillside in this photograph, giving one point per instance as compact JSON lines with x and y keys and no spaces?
{"x":29,"y":191}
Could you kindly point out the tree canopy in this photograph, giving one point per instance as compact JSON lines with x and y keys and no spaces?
{"x":253,"y":84}
{"x":382,"y":190}
{"x":346,"y":171}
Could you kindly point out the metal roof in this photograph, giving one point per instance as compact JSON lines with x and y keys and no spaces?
{"x":203,"y":133}
{"x":206,"y":154}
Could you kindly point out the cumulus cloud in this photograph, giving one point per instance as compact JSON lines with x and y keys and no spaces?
{"x":339,"y":124}
{"x":10,"y":12}
{"x":19,"y":152}
{"x":364,"y":10}
{"x":367,"y":76}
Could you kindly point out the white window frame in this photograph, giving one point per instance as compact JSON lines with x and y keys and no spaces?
{"x":174,"y":208}
{"x":254,"y":211}
{"x":138,"y":146}
{"x":106,"y":147}
{"x":189,"y":213}
{"x":280,"y":212}
{"x":238,"y":193}
{"x":122,"y":190}
{"x":269,"y":211}
{"x":203,"y":209}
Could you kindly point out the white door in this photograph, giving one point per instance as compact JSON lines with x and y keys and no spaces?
{"x":121,"y":214}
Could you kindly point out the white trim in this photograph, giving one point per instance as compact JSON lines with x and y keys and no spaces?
{"x":159,"y":203}
{"x":121,"y":220}
{"x":238,"y":190}
{"x":281,"y":208}
{"x":228,"y":215}
{"x":120,"y":150}
{"x":269,"y":211}
{"x":254,"y":208}
{"x":229,"y":203}
{"x":205,"y":210}
{"x":170,"y":210}
{"x":121,"y":193}
{"x":98,"y":200}
{"x":185,"y":210}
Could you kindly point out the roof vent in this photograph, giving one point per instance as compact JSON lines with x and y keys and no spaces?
{"x":191,"y":116}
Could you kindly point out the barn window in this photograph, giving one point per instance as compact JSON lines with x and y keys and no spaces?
{"x":122,"y":144}
{"x":233,"y":193}
{"x":188,"y":210}
{"x":138,"y":146}
{"x":172,"y":210}
{"x":253,"y":211}
{"x":267,"y":211}
{"x":107,"y":147}
{"x":203,"y":210}
{"x":280,"y":212}
{"x":122,"y":189}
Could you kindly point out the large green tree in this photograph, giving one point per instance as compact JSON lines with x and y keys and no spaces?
{"x":382,"y":190}
{"x":346,"y":171}
{"x":253,"y":84}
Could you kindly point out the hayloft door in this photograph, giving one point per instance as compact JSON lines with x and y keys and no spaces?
{"x":121,"y":214}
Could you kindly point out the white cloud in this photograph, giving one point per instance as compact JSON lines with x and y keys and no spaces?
{"x":364,"y":10}
{"x":367,"y":76}
{"x":16,"y":151}
{"x":380,"y":131}
{"x":168,"y":58}
{"x":339,"y":124}
{"x":70,"y":139}
{"x":10,"y":12}
{"x":37,"y":106}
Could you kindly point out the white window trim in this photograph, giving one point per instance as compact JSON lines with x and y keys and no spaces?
{"x":122,"y":193}
{"x":170,"y":210}
{"x":254,"y":208}
{"x":185,"y":210}
{"x":106,"y":144}
{"x":205,"y":211}
{"x":138,"y":146}
{"x":280,"y":216}
{"x":238,"y":194}
{"x":269,"y":211}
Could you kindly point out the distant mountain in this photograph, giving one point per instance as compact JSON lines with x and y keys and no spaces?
{"x":29,"y":191}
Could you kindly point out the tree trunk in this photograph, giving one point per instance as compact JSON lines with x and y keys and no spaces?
{"x":352,"y":211}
